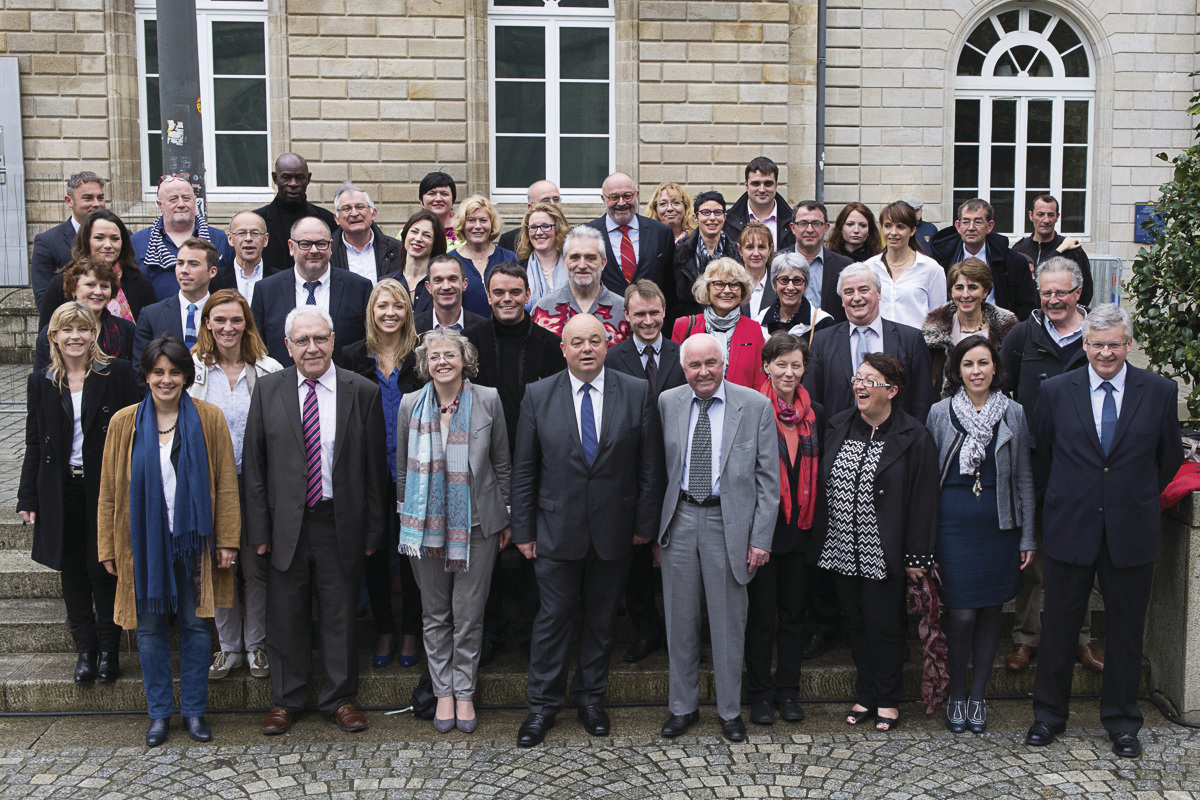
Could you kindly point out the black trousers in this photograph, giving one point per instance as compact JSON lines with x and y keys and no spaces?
{"x":775,"y":620}
{"x":1126,"y":598}
{"x":821,"y":604}
{"x":378,"y":578}
{"x":89,"y":592}
{"x":524,"y":587}
{"x":875,"y":626}
{"x":640,"y":600}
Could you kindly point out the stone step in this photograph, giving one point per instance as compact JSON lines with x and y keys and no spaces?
{"x":13,"y":534}
{"x":21,"y":577}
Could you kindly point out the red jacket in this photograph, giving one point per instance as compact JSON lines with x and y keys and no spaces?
{"x":745,"y":348}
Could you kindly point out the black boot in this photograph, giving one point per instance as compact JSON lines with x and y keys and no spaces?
{"x":108,"y":668}
{"x":85,"y":667}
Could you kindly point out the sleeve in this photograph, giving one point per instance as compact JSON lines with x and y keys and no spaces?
{"x":402,"y":419}
{"x":142,"y":336}
{"x":51,"y":300}
{"x":652,"y":471}
{"x":1025,"y":296}
{"x":227,"y":516}
{"x":42,"y":267}
{"x":501,"y":459}
{"x":1023,"y":479}
{"x":27,"y":498}
{"x":920,"y":529}
{"x":766,"y":480}
{"x":526,"y":466}
{"x":376,"y":474}
{"x":1010,"y":359}
{"x":106,"y":547}
{"x":1085,"y":266}
{"x":920,"y":381}
{"x":255,"y":473}
{"x":1170,"y":446}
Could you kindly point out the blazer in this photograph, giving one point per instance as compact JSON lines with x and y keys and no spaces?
{"x":275,"y":297}
{"x":423,"y":320}
{"x":828,"y":372}
{"x":385,"y":248}
{"x":749,"y":469}
{"x":655,"y":260}
{"x":275,"y":473}
{"x":832,"y":264}
{"x":51,"y":252}
{"x":1093,"y":497}
{"x":49,"y":430}
{"x":199,"y":388}
{"x":112,"y":518}
{"x":488,"y":461}
{"x":565,"y":505}
{"x":744,"y":365}
{"x":165,"y":316}
{"x":139,"y":293}
{"x":624,"y":357}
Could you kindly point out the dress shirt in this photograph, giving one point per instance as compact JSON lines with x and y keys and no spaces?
{"x":876,"y":343}
{"x":716,"y":424}
{"x":75,"y":223}
{"x":327,"y":409}
{"x":655,"y":346}
{"x":362,"y":262}
{"x":614,"y":236}
{"x":322,"y":293}
{"x":234,"y":404}
{"x":816,"y":277}
{"x":458,"y":325}
{"x":246,"y":283}
{"x":918,"y":290}
{"x":1097,"y":394}
{"x":770,"y":220}
{"x":76,"y":459}
{"x":757,"y":292}
{"x":167,"y":467}
{"x":597,"y":402}
{"x":1062,"y":340}
{"x":183,"y":312}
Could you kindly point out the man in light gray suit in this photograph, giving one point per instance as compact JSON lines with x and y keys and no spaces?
{"x":718,"y":520}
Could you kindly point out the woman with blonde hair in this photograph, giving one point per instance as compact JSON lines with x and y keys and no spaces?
{"x":721,"y":290}
{"x":540,"y":248}
{"x":60,"y":478}
{"x":671,"y":205}
{"x":477,"y":226}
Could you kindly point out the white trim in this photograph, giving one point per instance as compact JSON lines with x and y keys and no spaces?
{"x":551,"y":7}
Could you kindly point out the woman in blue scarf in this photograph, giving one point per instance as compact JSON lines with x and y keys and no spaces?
{"x":158,"y":533}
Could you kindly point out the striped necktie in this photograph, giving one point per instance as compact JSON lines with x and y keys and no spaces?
{"x":189,"y":330}
{"x":311,"y":422}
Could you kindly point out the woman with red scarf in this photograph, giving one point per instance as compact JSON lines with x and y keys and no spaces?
{"x":777,"y":588}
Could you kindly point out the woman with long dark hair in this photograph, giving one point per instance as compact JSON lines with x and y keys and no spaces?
{"x":421,"y":239}
{"x":855,"y":234}
{"x":913,"y":284}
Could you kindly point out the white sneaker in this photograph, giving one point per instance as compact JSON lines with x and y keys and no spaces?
{"x":259,"y":667}
{"x":223,"y":663}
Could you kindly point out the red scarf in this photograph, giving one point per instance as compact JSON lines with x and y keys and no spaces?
{"x":806,"y":490}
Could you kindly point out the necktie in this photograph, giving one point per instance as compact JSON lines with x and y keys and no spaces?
{"x":1108,"y":417}
{"x":312,"y":292}
{"x":651,"y":368}
{"x":700,"y":466}
{"x":189,"y":330}
{"x":587,"y":425}
{"x":628,"y":257}
{"x":863,"y":347}
{"x":311,"y":422}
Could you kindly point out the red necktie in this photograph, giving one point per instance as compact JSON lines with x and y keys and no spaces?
{"x":628,"y":258}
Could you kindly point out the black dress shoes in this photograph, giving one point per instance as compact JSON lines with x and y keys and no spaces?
{"x":762,"y":713}
{"x":678,"y":724}
{"x":197,"y":728}
{"x":156,"y":734}
{"x":816,"y":646}
{"x":108,"y":667}
{"x":790,"y":710}
{"x":595,"y":720}
{"x":1041,"y":734}
{"x":734,"y":729}
{"x":533,"y":730}
{"x":85,"y":667}
{"x":1126,"y":745}
{"x":641,"y":648}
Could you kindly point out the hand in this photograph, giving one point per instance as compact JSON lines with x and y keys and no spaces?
{"x":27,"y":517}
{"x":528,"y":549}
{"x":226,"y":557}
{"x":1027,"y":558}
{"x":915,"y":573}
{"x":262,"y":549}
{"x":505,"y":536}
{"x":756,"y":557}
{"x":370,"y":551}
{"x":640,"y":540}
{"x":111,"y":566}
{"x":657,"y":555}
{"x":1069,"y":243}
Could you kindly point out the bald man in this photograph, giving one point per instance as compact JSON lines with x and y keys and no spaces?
{"x":636,"y":246}
{"x":291,"y":177}
{"x":156,"y":248}
{"x":587,"y":485}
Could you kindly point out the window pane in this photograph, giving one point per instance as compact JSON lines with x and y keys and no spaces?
{"x":1037,"y":167}
{"x":1075,"y":121}
{"x":583,"y":161}
{"x":1002,"y":204}
{"x":154,"y":156}
{"x":966,"y":121}
{"x":153,"y":114}
{"x":970,"y":62}
{"x":520,"y":52}
{"x":1006,"y":66}
{"x":241,"y":104}
{"x":584,"y":107}
{"x":1024,"y":55}
{"x":966,"y":165}
{"x":1074,"y":211}
{"x":1010,"y":20}
{"x":1038,"y":20}
{"x":241,"y":159}
{"x":1062,"y":37}
{"x":1004,"y":121}
{"x":151,"y":38}
{"x":1076,"y":64}
{"x":520,"y":107}
{"x":1004,"y":166}
{"x":583,"y":53}
{"x":1074,"y":167}
{"x":1038,"y":126}
{"x":984,"y":37}
{"x":583,"y":4}
{"x":238,"y":48}
{"x":520,"y":160}
{"x":963,"y":195}
{"x":1041,"y":67}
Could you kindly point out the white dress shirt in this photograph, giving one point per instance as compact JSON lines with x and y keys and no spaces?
{"x":362,"y":262}
{"x":75,"y":223}
{"x":756,"y":295}
{"x":460,"y":322}
{"x":168,"y":480}
{"x":655,"y":347}
{"x":322,"y":292}
{"x":875,"y":345}
{"x":597,"y":401}
{"x":234,"y":404}
{"x":246,"y":283}
{"x":909,"y":298}
{"x":1097,"y":394}
{"x":716,"y":426}
{"x":76,"y":459}
{"x":770,"y":220}
{"x":327,"y":410}
{"x":183,"y":312}
{"x":614,"y":237}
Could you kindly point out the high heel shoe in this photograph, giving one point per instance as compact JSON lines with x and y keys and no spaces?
{"x":408,"y":661}
{"x":386,"y":658}
{"x":444,"y":725}
{"x":857,"y":717}
{"x":956,"y":716}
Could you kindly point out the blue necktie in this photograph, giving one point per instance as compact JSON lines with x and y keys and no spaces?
{"x":312,"y":292}
{"x":189,"y":330}
{"x":1108,"y":417}
{"x":863,"y":347}
{"x":587,"y":424}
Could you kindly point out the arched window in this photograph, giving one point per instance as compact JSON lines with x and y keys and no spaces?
{"x":1024,"y":98}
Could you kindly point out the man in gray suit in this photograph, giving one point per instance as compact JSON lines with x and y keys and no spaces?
{"x":718,"y":520}
{"x":586,"y":486}
{"x":315,"y":470}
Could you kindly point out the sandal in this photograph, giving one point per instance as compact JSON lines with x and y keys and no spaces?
{"x":855,"y":717}
{"x":886,"y":724}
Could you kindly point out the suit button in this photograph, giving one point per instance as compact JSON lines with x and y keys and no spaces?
{"x":1106,"y":470}
{"x":881,"y":491}
{"x":46,"y":440}
{"x":48,"y":459}
{"x":1101,"y":510}
{"x":104,"y":410}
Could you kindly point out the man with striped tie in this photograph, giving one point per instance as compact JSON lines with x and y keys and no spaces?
{"x":179,"y":314}
{"x":314,"y":470}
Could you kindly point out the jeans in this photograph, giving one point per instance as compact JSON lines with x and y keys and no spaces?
{"x":154,"y":650}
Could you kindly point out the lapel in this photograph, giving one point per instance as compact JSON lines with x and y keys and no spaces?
{"x":898,"y":441}
{"x":335,"y":296}
{"x":1081,"y":394}
{"x":1134,"y":383}
{"x":291,"y":405}
{"x":68,"y":234}
{"x":891,"y":339}
{"x":644,"y":244}
{"x":628,"y":354}
{"x":345,"y":399}
{"x":93,"y":391}
{"x":612,"y":396}
{"x":683,"y":412}
{"x":733,"y":417}
{"x":841,"y":352}
{"x":174,"y":320}
{"x":566,"y":410}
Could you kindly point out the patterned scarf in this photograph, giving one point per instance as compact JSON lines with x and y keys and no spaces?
{"x":435,"y":519}
{"x":804,"y":418}
{"x":158,"y":254}
{"x":119,"y":305}
{"x":979,"y":426}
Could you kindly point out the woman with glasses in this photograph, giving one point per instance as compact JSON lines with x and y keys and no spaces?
{"x":670,"y":205}
{"x":880,"y":474}
{"x":421,"y":240}
{"x":967,"y":314}
{"x":720,"y":291}
{"x":477,"y":224}
{"x":756,"y":250}
{"x":855,"y":234}
{"x":706,"y":243}
{"x":913,"y":284}
{"x":790,"y":311}
{"x":540,"y":248}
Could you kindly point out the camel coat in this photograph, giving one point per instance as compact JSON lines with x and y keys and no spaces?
{"x":113,"y":542}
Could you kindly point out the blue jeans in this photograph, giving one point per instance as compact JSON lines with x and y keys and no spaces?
{"x":154,"y":650}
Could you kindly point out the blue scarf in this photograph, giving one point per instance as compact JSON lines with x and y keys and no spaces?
{"x":156,"y":548}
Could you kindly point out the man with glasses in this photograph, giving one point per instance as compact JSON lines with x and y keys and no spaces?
{"x":359,"y":244}
{"x":291,"y":176}
{"x":761,"y":203}
{"x":584,"y":291}
{"x":635,"y":246}
{"x":1045,"y":243}
{"x":972,"y":235}
{"x":810,"y":224}
{"x":339,"y":292}
{"x":539,"y":192}
{"x":248,"y":233}
{"x":156,"y":247}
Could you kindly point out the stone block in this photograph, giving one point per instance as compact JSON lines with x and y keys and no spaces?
{"x":437,"y":8}
{"x":316,"y":7}
{"x":303,"y":67}
{"x":346,"y":26}
{"x":407,"y":68}
{"x":332,"y":88}
{"x":662,"y":133}
{"x":319,"y":129}
{"x":347,"y":68}
{"x":80,"y":42}
{"x":663,"y":93}
{"x":710,"y":93}
{"x":690,"y":32}
{"x":775,"y":32}
{"x":670,"y":10}
{"x":349,"y":109}
{"x":31,"y":42}
{"x":54,"y":106}
{"x":687,"y":113}
{"x":408,"y":109}
{"x":764,"y":53}
{"x":317,"y":46}
{"x":438,"y":131}
{"x":376,"y":88}
{"x":15,"y":21}
{"x":662,"y":51}
{"x":687,"y":154}
{"x":51,"y":21}
{"x":762,"y":11}
{"x":436,"y":90}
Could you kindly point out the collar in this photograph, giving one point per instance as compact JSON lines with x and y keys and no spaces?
{"x":368,"y":246}
{"x":1053,"y":331}
{"x":253,"y":273}
{"x":597,"y":382}
{"x":718,"y":395}
{"x":183,"y":302}
{"x":819,"y":258}
{"x":772,"y":217}
{"x":876,"y":325}
{"x":328,"y":380}
{"x":612,"y":224}
{"x":323,"y":280}
{"x":641,"y":346}
{"x":1117,"y":381}
{"x":982,"y":255}
{"x":74,"y":223}
{"x":461,"y":321}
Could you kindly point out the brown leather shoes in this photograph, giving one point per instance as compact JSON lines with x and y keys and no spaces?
{"x":349,"y":719}
{"x":1090,"y":658}
{"x":1018,"y":658}
{"x":277,"y":721}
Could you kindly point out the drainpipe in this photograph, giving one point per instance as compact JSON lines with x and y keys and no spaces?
{"x":822,"y":9}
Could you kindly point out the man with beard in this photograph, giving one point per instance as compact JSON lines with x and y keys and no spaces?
{"x":635,"y":246}
{"x":584,"y":292}
{"x":292,"y":177}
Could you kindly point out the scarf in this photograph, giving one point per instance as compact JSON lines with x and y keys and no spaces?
{"x":979,"y":426}
{"x":158,"y":254}
{"x":435,"y":519}
{"x":539,"y":287}
{"x":804,"y":418}
{"x":111,"y":342}
{"x":774,"y":321}
{"x":702,"y":254}
{"x":156,"y":547}
{"x":119,"y":305}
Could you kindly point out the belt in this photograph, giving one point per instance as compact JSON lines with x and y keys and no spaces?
{"x":323,"y":506}
{"x":74,"y":471}
{"x":708,"y":502}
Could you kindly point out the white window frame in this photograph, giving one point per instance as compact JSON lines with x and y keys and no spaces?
{"x":552,"y":19}
{"x":207,"y":12}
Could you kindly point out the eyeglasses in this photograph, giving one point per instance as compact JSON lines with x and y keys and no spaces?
{"x":321,"y":244}
{"x":669,"y":204}
{"x":361,"y":208}
{"x":248,"y":234}
{"x":545,"y":227}
{"x":1057,"y":294}
{"x":1107,"y":347}
{"x":870,"y":384}
{"x":721,"y":286}
{"x":623,"y":197}
{"x":805,"y":224}
{"x":176,"y":176}
{"x":711,"y":212}
{"x":794,"y":280}
{"x":319,"y":339}
{"x":978,"y":222}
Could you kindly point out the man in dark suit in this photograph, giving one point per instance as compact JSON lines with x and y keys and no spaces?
{"x":587,"y":485}
{"x":810,"y":223}
{"x":647,"y":354}
{"x":1112,"y":436}
{"x":635,"y":246}
{"x":447,"y":280}
{"x":341,"y":293}
{"x":196,"y":273}
{"x":52,"y":249}
{"x":360,"y":245}
{"x":539,"y":192}
{"x":314,"y":468}
{"x":291,"y":176}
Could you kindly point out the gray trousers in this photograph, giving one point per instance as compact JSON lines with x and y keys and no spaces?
{"x":452,"y":606}
{"x":243,"y":628}
{"x":695,"y":565}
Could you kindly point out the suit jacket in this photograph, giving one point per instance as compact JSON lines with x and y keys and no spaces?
{"x":508,"y":239}
{"x":745,"y":349}
{"x":488,"y":460}
{"x":155,"y":320}
{"x":624,"y":357}
{"x":385,"y":248}
{"x":828,"y":372}
{"x":749,"y":469}
{"x":1092,"y":497}
{"x":655,"y":260}
{"x":51,"y":252}
{"x":275,"y":472}
{"x":565,"y":505}
{"x":424,"y":320}
{"x":275,"y":296}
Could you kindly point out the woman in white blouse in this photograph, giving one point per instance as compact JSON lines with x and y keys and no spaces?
{"x":913,"y":283}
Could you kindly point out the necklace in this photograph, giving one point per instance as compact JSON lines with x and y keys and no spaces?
{"x":170,"y":429}
{"x":450,"y":409}
{"x":982,"y":325}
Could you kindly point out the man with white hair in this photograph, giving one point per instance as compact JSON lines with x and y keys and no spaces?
{"x":155,"y":248}
{"x":584,"y":291}
{"x":327,"y":424}
{"x":360,"y":245}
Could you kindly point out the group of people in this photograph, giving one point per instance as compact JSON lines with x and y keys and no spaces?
{"x":367,"y":411}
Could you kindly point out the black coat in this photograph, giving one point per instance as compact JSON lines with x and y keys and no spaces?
{"x":1011,"y":279}
{"x":48,"y":434}
{"x":508,"y":239}
{"x":687,"y":270}
{"x":275,"y":297}
{"x":51,"y":252}
{"x":739,"y":214}
{"x":139,"y":292}
{"x":624,"y":357}
{"x":386,"y":249}
{"x":1037,"y":252}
